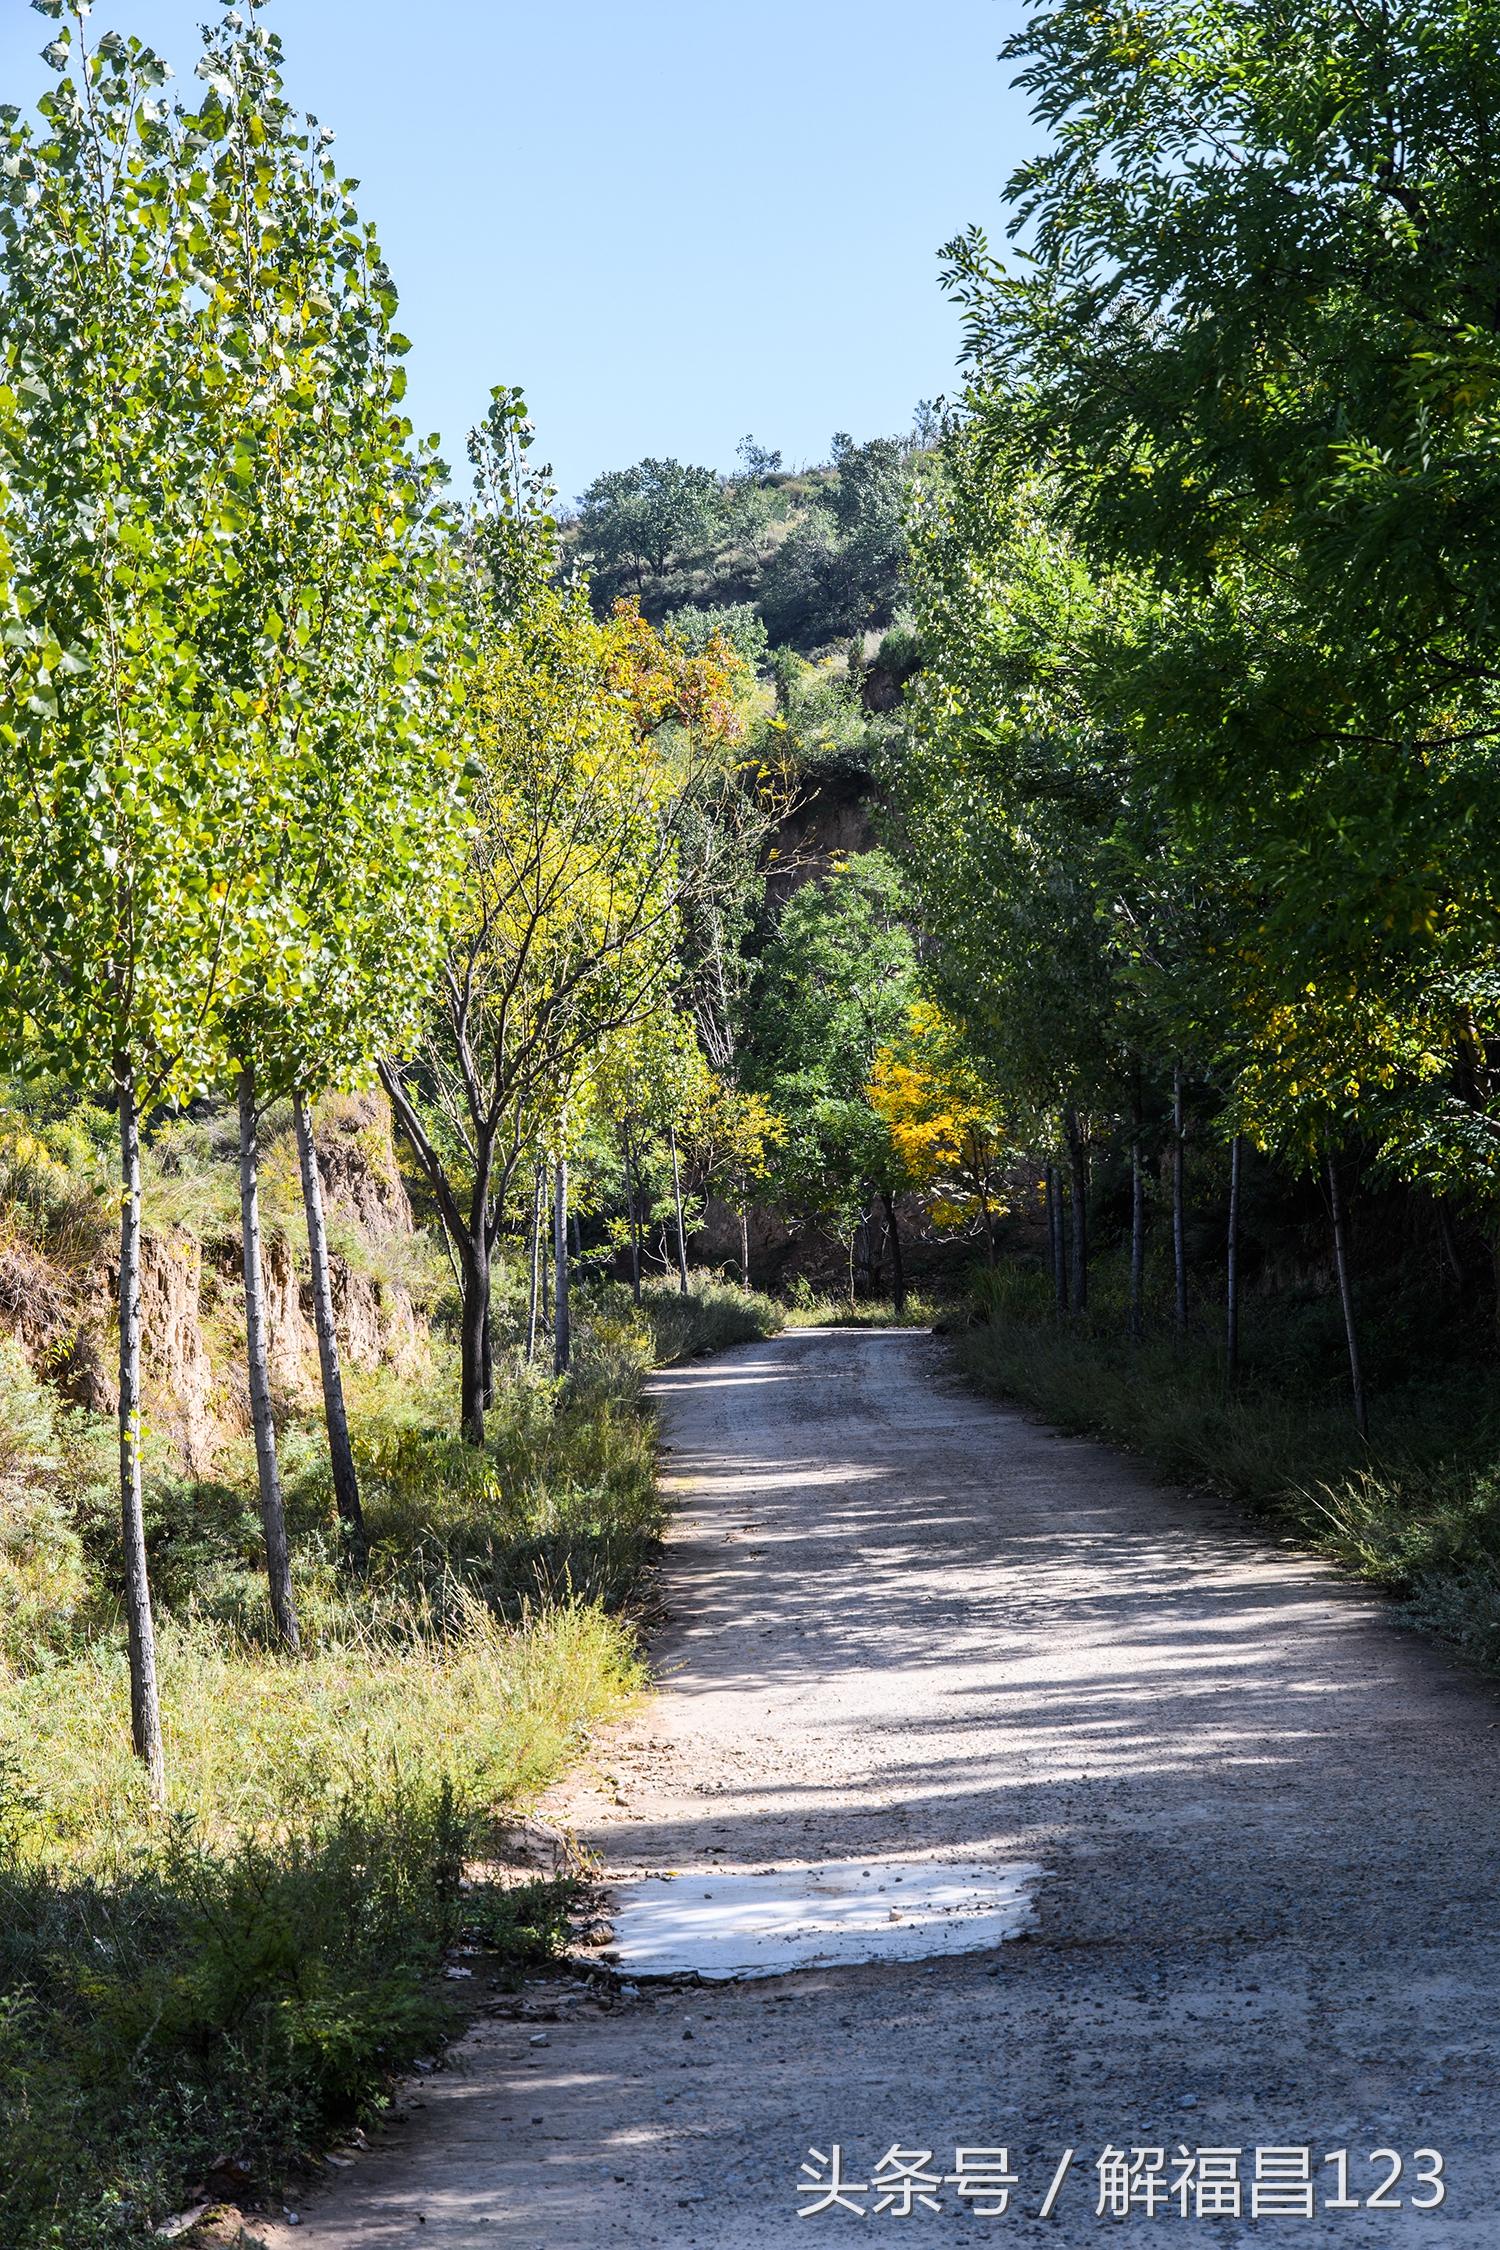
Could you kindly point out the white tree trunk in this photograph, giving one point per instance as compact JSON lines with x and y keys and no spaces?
{"x":537,"y":1202}
{"x":562,"y":1328}
{"x":340,"y":1451}
{"x":272,"y":1513}
{"x":145,"y":1701}
{"x":682,"y":1262}
{"x":1346,"y":1298}
{"x":1232,"y":1274}
{"x":1179,"y":1206}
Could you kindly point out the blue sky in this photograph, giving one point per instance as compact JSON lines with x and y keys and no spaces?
{"x":673,"y":221}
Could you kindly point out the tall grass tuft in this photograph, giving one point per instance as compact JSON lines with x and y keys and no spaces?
{"x":714,"y":1315}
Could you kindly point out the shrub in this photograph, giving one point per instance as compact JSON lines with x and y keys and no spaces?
{"x":713,"y":1316}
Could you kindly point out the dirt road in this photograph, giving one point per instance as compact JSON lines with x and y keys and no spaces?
{"x":908,"y":1624}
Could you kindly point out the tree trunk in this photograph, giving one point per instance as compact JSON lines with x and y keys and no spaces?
{"x":1179,"y":1207}
{"x":1232,"y":1274}
{"x":537,"y":1202}
{"x":562,"y":1328}
{"x":1058,"y":1239}
{"x":340,"y":1452}
{"x":861,"y":1257}
{"x":272,"y":1513}
{"x":1346,"y":1298}
{"x":744,"y":1239}
{"x":476,"y":1321}
{"x":682,"y":1262}
{"x":633,"y":1203}
{"x":145,"y":1702}
{"x":898,"y":1268}
{"x":1078,"y":1166}
{"x":1137,"y":1240}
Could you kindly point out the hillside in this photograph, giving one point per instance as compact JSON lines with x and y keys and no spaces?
{"x":798,"y":560}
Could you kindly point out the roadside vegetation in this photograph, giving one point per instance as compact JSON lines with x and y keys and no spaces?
{"x":808,"y":1308}
{"x":711,"y":1317}
{"x":195,"y":2001}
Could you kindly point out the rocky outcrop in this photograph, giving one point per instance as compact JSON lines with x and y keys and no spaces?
{"x":374,"y":1320}
{"x":291,"y":1340}
{"x":36,"y":1304}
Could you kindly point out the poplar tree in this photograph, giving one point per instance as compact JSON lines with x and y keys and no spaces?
{"x":333,"y":658}
{"x":130,"y":862}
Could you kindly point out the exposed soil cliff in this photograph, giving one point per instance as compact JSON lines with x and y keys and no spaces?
{"x":64,"y":1314}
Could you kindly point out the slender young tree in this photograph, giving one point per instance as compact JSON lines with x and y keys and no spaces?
{"x":272,"y":1511}
{"x":1179,"y":1207}
{"x":632,"y":1207}
{"x":538,"y":1253}
{"x":131,"y":866}
{"x":682,"y":1255}
{"x":898,"y":1262}
{"x":340,"y":1449}
{"x":1346,"y":1294}
{"x":1136,"y":1318}
{"x":145,"y":1695}
{"x":1057,"y":1238}
{"x":328,"y":656}
{"x":562,"y":1330}
{"x":587,"y":738}
{"x":1078,"y":1169}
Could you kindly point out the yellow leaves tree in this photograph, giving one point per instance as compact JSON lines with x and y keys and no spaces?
{"x":585,"y":739}
{"x":943,"y":1122}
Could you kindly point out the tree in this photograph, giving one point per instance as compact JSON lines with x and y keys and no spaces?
{"x":943,"y":1122}
{"x":587,"y":737}
{"x":1020,"y":850}
{"x":130,"y":863}
{"x":839,"y":570}
{"x":1250,"y":349}
{"x":330,"y":653}
{"x":759,"y":461}
{"x":643,"y":519}
{"x":836,"y":985}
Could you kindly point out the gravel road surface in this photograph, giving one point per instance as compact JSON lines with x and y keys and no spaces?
{"x":909,"y":1625}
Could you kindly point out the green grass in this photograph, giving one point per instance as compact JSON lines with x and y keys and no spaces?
{"x":199,"y":2012}
{"x":1416,"y":1511}
{"x":239,"y":1980}
{"x":809,"y":1310}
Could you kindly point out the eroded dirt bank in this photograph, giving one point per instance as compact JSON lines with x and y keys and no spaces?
{"x":907,"y":1623}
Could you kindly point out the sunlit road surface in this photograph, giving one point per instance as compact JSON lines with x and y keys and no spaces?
{"x":912,"y":1628}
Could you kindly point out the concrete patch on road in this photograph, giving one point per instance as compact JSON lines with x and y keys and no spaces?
{"x":722,"y":1925}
